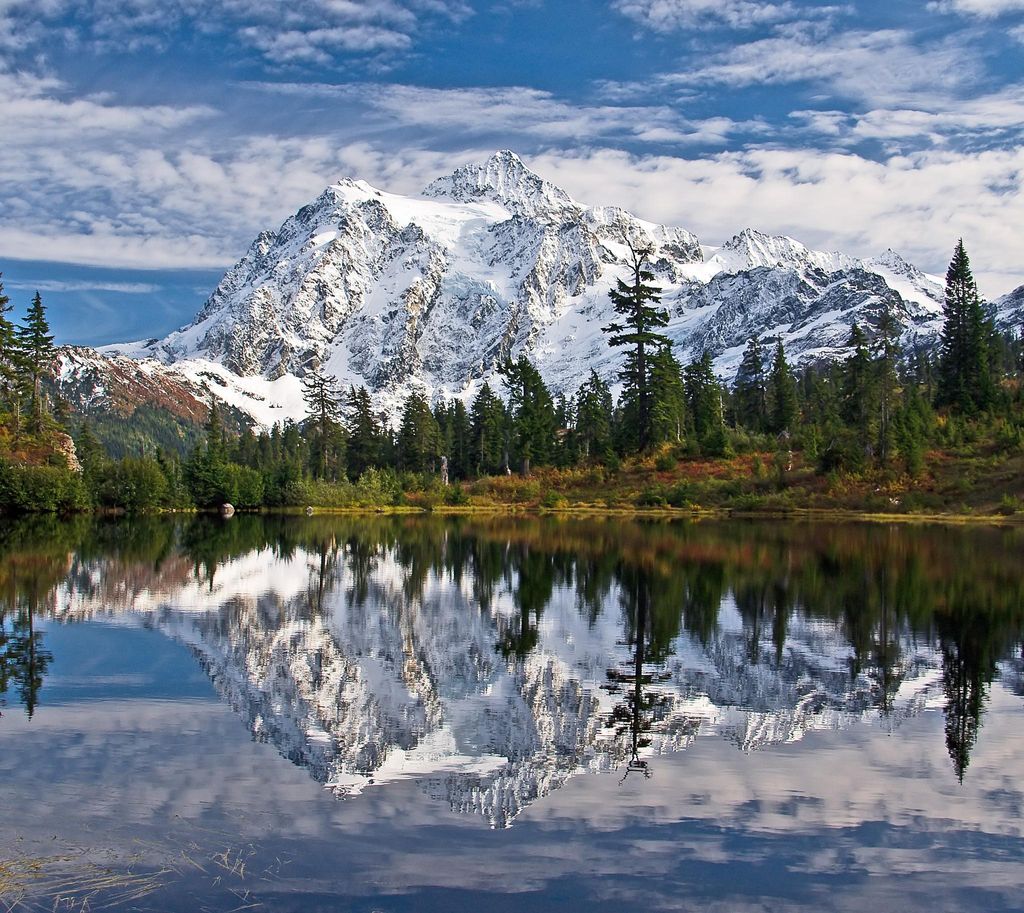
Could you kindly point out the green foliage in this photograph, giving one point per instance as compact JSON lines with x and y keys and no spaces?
{"x":456,"y":496}
{"x":419,"y":438}
{"x":10,"y":360}
{"x":35,"y":352}
{"x":782,"y":403}
{"x":323,"y":410}
{"x":704,"y":395}
{"x":364,"y":432}
{"x":592,"y":420}
{"x":531,"y":415}
{"x":668,"y":399}
{"x":147,"y":430}
{"x":40,"y":489}
{"x":751,"y":391}
{"x":488,"y":433}
{"x":966,"y":384}
{"x":636,"y":303}
{"x":134,"y":483}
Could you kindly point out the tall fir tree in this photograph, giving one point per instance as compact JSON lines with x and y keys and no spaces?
{"x":322,"y":398}
{"x":592,"y":421}
{"x":531,"y":415}
{"x":35,"y":352}
{"x":419,"y":437}
{"x":858,"y":384}
{"x":965,"y":383}
{"x":886,"y":380}
{"x":460,"y":451}
{"x":669,"y":415}
{"x":751,"y":395}
{"x":636,"y":303}
{"x":363,"y":432}
{"x":10,"y":362}
{"x":488,"y":432}
{"x":783,"y":408}
{"x":704,"y":397}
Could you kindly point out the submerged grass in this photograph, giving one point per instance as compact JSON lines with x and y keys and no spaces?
{"x":80,"y":880}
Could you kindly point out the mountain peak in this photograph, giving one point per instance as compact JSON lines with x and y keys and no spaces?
{"x":502,"y":179}
{"x":751,"y":248}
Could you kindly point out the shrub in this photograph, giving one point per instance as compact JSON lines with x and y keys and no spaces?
{"x":25,"y":489}
{"x":134,"y":483}
{"x":651,"y":497}
{"x":456,"y":496}
{"x":552,"y":500}
{"x":682,"y":495}
{"x":665,"y":461}
{"x":715,"y":443}
{"x":1010,"y":505}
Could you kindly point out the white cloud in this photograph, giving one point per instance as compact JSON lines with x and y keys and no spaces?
{"x":318,"y":46}
{"x":881,"y":66}
{"x":32,"y":107}
{"x":98,"y":285}
{"x":985,"y":9}
{"x":282,"y":31}
{"x":90,"y":181}
{"x":671,"y":15}
{"x":918,"y":205}
{"x":518,"y":111}
{"x":986,"y":120}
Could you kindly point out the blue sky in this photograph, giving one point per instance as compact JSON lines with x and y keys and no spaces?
{"x":145,"y":143}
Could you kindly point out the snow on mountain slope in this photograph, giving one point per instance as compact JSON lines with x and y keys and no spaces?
{"x":435,"y":291}
{"x":1010,"y":311}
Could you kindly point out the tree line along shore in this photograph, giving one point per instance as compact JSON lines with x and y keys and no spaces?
{"x":883,"y":430}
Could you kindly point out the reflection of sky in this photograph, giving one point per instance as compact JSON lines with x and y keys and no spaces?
{"x":128,"y":744}
{"x":146,"y":667}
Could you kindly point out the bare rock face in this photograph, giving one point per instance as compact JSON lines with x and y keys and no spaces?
{"x":63,"y":444}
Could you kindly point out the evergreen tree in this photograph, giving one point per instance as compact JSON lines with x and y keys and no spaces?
{"x":965,"y":373}
{"x":488,"y":433}
{"x":323,"y":408}
{"x":91,"y":455}
{"x":668,"y":398}
{"x":216,"y":440}
{"x":36,"y":351}
{"x":858,"y":384}
{"x":364,"y":433}
{"x":636,"y":303}
{"x":460,"y":452}
{"x":911,"y":425}
{"x":419,"y":438}
{"x":704,"y":398}
{"x":751,"y":391}
{"x":886,"y":381}
{"x":782,"y":402}
{"x":592,"y":425}
{"x":206,"y":468}
{"x":10,"y":377}
{"x":531,"y":415}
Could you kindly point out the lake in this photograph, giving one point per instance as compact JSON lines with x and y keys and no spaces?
{"x":429,"y":714}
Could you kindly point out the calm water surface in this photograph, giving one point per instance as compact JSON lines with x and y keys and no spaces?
{"x":423,"y":715}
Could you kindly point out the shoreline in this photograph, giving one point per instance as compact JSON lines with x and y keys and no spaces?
{"x":665,"y":513}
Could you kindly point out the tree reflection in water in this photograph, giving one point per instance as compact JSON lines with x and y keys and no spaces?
{"x":501,"y":636}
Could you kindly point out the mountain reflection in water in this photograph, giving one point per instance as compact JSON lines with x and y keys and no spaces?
{"x":491,"y":660}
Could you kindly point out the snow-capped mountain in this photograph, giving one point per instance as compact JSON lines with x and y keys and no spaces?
{"x":435,"y":290}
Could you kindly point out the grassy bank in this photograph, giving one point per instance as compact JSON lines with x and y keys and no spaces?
{"x":964,"y":485}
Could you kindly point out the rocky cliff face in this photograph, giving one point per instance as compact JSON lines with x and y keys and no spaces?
{"x":434,"y":291}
